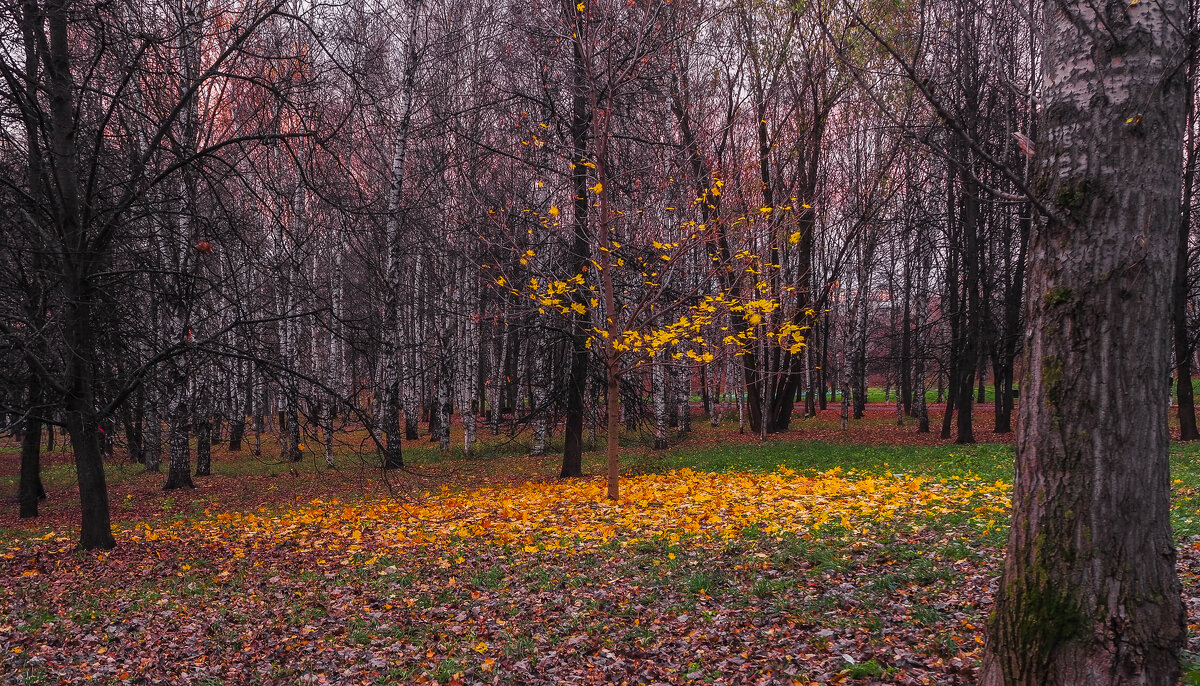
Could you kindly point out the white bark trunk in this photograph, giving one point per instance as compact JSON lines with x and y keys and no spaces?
{"x":393,"y":276}
{"x":541,"y":411}
{"x":659,"y":392}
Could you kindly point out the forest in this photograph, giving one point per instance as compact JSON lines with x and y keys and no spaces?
{"x":793,"y":315}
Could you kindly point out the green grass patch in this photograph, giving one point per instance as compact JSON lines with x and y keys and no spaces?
{"x":988,"y":461}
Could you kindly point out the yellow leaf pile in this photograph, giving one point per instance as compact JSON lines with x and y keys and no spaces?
{"x":577,"y":516}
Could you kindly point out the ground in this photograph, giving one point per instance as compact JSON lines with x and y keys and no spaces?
{"x":816,"y":557}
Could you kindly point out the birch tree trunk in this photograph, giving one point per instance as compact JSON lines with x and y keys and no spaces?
{"x":152,"y":432}
{"x":289,"y":420}
{"x":496,"y":385}
{"x":683,"y":396}
{"x":1089,"y":592}
{"x":391,"y":451}
{"x":337,"y":356}
{"x":411,"y":393}
{"x":658,"y":391}
{"x":541,"y":411}
{"x":445,"y":392}
{"x":180,"y":386}
{"x":260,"y":409}
{"x":468,"y":359}
{"x":179,"y":420}
{"x":739,"y":390}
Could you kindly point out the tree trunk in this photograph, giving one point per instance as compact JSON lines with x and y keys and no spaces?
{"x":496,"y":385}
{"x":953,"y":300}
{"x":539,"y":384}
{"x":237,"y":427}
{"x":858,"y":351}
{"x":823,"y":396}
{"x":658,"y":391}
{"x":683,"y":397}
{"x":390,"y":448}
{"x":970,"y":318}
{"x":152,"y":429}
{"x":906,"y":335}
{"x":1089,"y":592}
{"x":260,"y":413}
{"x":289,"y":430}
{"x":95,"y":531}
{"x":204,"y":425}
{"x":613,"y":437}
{"x":1186,"y":408}
{"x":132,"y":417}
{"x":581,"y":117}
{"x":31,"y":491}
{"x":705,"y":398}
{"x":920,"y":407}
{"x":445,"y":394}
{"x":845,"y":415}
{"x":1013,"y":300}
{"x":179,"y":422}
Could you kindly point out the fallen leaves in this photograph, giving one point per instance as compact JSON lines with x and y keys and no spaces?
{"x":693,"y":577}
{"x":577,"y":515}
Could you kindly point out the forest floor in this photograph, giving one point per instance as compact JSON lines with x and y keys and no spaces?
{"x":818,"y":556}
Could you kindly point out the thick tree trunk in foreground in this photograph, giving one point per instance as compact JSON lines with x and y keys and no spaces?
{"x":1089,"y":593}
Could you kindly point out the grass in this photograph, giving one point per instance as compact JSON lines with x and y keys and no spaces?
{"x":987,"y":461}
{"x":1190,"y":664}
{"x":880,"y":395}
{"x":866,"y":670}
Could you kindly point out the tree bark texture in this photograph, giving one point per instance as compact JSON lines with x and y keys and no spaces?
{"x":1089,"y":592}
